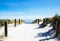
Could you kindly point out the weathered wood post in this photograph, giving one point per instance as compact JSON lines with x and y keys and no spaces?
{"x":57,"y":28}
{"x":38,"y":21}
{"x":0,"y":23}
{"x":19,"y":21}
{"x":44,"y":21}
{"x":15,"y":22}
{"x":5,"y":28}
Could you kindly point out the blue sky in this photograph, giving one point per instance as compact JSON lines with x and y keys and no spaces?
{"x":38,"y":8}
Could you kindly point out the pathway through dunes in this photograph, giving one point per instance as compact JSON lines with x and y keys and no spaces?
{"x":25,"y":32}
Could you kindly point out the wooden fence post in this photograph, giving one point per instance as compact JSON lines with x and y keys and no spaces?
{"x":19,"y":21}
{"x":5,"y":28}
{"x":38,"y":21}
{"x":57,"y":28}
{"x":15,"y":22}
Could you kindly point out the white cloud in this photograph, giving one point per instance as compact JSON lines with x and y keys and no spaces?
{"x":21,"y":17}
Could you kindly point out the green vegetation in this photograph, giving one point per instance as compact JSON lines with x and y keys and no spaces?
{"x":51,"y":20}
{"x":21,"y":21}
{"x":36,"y":20}
{"x":54,"y":21}
{"x":2,"y":22}
{"x":10,"y":21}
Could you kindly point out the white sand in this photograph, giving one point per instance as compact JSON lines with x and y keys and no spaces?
{"x":24,"y":32}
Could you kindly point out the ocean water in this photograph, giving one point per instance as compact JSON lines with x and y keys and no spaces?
{"x":29,"y":21}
